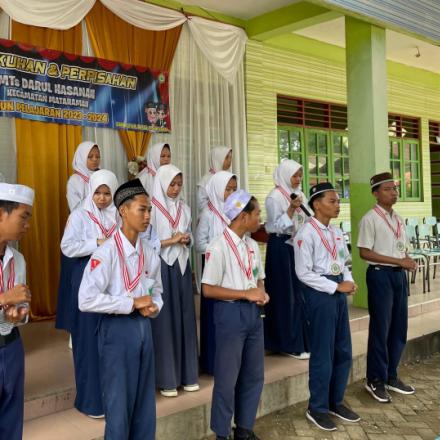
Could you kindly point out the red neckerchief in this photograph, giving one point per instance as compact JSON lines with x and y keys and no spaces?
{"x":107,"y":232}
{"x":230,"y":241}
{"x":173,"y":222}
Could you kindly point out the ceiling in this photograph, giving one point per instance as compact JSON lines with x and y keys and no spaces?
{"x":400,"y":48}
{"x":244,"y":9}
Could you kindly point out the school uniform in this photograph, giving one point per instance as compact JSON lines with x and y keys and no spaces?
{"x":285,"y":328}
{"x":175,"y":330}
{"x":211,"y":223}
{"x":85,"y":226}
{"x":13,"y":271}
{"x":320,"y":264}
{"x":116,"y":273}
{"x":384,"y":233}
{"x":147,"y":175}
{"x":239,"y":356}
{"x":217,"y":156}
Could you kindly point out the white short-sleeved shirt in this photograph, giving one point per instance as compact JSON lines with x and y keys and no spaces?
{"x":312,"y":259}
{"x":102,"y":289}
{"x":20,"y":278}
{"x":77,"y":190}
{"x":376,"y":235}
{"x":221,"y":265}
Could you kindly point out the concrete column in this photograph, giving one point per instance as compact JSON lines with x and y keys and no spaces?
{"x":367,"y":126}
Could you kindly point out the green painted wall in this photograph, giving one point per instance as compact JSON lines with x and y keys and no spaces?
{"x":321,"y":75}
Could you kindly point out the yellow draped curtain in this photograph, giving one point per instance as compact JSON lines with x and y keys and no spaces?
{"x":114,"y":39}
{"x":44,"y":156}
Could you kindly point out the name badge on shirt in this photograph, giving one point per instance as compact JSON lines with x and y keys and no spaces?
{"x":400,"y":245}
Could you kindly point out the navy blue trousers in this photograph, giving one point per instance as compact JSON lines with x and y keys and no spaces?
{"x":175,"y":330}
{"x":285,"y":327}
{"x":330,"y":347}
{"x":207,"y":332}
{"x":126,"y":361}
{"x":65,"y":318}
{"x":388,"y":308}
{"x":11,"y":390}
{"x":239,"y":365}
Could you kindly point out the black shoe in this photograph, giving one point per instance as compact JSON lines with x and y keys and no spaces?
{"x":321,"y":420}
{"x":223,"y":438}
{"x":377,"y":389}
{"x":398,"y":386}
{"x":244,"y":434}
{"x":345,"y":413}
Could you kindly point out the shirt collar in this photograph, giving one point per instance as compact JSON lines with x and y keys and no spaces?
{"x":235,"y":238}
{"x":321,"y":225}
{"x":129,"y":250}
{"x":391,"y":214}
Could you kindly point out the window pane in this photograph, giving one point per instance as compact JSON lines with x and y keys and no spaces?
{"x":322,"y":143}
{"x":313,"y":181}
{"x":322,"y":163}
{"x":416,"y":188}
{"x":312,"y":165}
{"x":395,"y":169}
{"x":338,"y":165}
{"x":345,"y":145}
{"x":395,"y":150}
{"x":406,"y":151}
{"x":297,"y":157}
{"x":311,"y":143}
{"x":337,"y":144}
{"x":295,"y":142}
{"x":339,"y":187}
{"x":414,"y":170}
{"x":346,"y":188}
{"x":346,"y":166}
{"x":414,"y":152}
{"x":283,"y":143}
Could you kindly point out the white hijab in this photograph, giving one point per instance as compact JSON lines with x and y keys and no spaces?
{"x":215,"y":189}
{"x":79,"y":162}
{"x":281,"y":177}
{"x":146,"y":176}
{"x":164,"y":176}
{"x":108,"y":216}
{"x":217,"y":156}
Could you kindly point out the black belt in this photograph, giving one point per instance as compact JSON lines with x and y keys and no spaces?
{"x":387,"y":268}
{"x":7,"y":339}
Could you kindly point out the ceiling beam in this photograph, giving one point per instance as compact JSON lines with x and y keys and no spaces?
{"x":287,"y":20}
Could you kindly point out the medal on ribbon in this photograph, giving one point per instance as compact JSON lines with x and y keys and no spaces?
{"x":400,"y":245}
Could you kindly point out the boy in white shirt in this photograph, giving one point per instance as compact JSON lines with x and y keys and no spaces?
{"x":15,"y":212}
{"x":122,"y":281}
{"x":233,"y":276}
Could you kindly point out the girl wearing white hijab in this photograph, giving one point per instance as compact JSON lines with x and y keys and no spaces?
{"x":211,"y":224}
{"x":89,"y":226}
{"x":220,"y":158}
{"x":285,"y":324}
{"x":157,"y":155}
{"x":174,"y":330}
{"x":85,"y":161}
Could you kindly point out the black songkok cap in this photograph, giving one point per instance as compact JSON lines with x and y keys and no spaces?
{"x":128,"y":190}
{"x":381,"y":178}
{"x":320,"y":188}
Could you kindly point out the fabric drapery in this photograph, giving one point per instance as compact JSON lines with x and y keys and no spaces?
{"x":44,"y":154}
{"x":222,"y":44}
{"x":138,"y":46}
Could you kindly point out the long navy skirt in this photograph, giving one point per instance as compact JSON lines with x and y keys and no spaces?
{"x":285,"y":327}
{"x":85,"y":351}
{"x":175,"y":330}
{"x":207,"y":332}
{"x":65,"y":314}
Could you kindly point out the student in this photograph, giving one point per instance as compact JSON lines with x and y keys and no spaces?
{"x":85,"y":161}
{"x":233,"y":276}
{"x":220,"y":158}
{"x":320,"y":263}
{"x":212,"y":222}
{"x":382,"y":244}
{"x":157,"y":155}
{"x":88,"y":227}
{"x":285,"y":328}
{"x":174,"y":331}
{"x":15,"y":212}
{"x":122,"y":282}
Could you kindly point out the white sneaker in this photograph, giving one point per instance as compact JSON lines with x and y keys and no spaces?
{"x":172,"y":392}
{"x":300,"y":356}
{"x":70,"y":342}
{"x":190,"y":388}
{"x":101,"y":416}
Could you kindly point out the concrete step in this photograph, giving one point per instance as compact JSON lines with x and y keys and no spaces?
{"x":286,"y":383}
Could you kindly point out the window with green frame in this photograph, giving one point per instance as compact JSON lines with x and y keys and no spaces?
{"x":405,"y":157}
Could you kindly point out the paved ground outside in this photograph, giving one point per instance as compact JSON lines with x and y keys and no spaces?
{"x":413,"y":417}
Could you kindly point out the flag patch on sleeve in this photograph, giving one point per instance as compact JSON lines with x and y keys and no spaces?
{"x":207,"y":255}
{"x":94,"y":263}
{"x":299,"y":243}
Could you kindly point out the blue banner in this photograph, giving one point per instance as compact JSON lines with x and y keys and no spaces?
{"x":52,"y":86}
